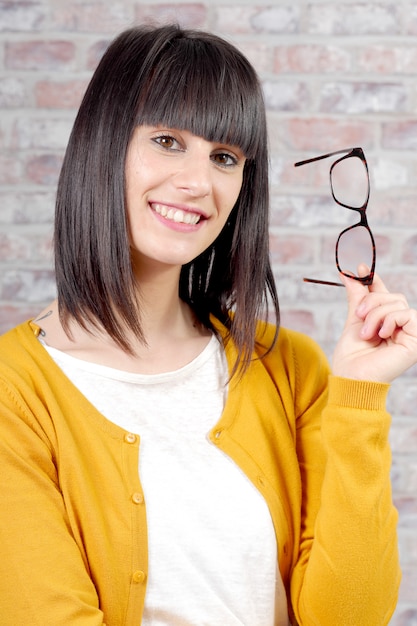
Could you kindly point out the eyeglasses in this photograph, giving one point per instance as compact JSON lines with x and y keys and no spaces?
{"x":350,"y":187}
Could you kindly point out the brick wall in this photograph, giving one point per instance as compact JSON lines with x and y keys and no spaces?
{"x":336,"y":74}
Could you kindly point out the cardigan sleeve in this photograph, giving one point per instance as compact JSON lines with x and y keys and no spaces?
{"x":347,"y":571}
{"x":43,"y":577}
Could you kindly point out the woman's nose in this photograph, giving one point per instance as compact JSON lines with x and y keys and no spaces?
{"x":195,"y":175}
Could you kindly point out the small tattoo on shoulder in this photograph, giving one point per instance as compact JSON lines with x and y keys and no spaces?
{"x":43,"y":316}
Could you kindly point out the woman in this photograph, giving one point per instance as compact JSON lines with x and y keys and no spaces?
{"x":166,"y":457}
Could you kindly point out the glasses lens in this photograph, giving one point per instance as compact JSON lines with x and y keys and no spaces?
{"x":355,"y":246}
{"x":350,"y":182}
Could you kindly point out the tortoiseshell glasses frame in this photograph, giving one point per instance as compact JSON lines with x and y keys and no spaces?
{"x":348,"y":153}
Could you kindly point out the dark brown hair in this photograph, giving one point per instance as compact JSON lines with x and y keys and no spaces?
{"x":183,"y":79}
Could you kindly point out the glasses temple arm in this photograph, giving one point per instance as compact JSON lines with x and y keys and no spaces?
{"x":323,"y":156}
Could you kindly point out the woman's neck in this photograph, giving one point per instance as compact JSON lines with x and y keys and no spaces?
{"x":173,"y":336}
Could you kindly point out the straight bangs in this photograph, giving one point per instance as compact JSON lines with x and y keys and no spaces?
{"x":198,"y":85}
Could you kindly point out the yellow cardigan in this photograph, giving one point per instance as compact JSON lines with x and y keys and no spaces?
{"x":73,"y":535}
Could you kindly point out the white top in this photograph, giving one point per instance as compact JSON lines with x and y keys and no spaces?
{"x":212,"y":545}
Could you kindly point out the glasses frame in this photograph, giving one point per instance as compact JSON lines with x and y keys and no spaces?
{"x":348,"y":153}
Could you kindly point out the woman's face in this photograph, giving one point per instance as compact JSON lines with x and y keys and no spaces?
{"x":180,"y":190}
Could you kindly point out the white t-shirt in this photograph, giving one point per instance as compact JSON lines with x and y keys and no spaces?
{"x":212,"y":545}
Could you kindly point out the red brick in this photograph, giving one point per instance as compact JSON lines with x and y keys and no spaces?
{"x":95,"y":52}
{"x":13,"y":93}
{"x":300,"y":320}
{"x":40,"y":133}
{"x":27,"y":286}
{"x":259,"y":54}
{"x":305,"y":211}
{"x":27,"y":207}
{"x":314,"y":58}
{"x":403,"y":436}
{"x":403,"y":472}
{"x":380,"y":59}
{"x":286,"y":96}
{"x":23,"y":16}
{"x":193,"y":15}
{"x":404,"y":617}
{"x":293,"y":291}
{"x":398,"y":280}
{"x":59,"y":95}
{"x":13,"y":247}
{"x":391,"y":173}
{"x":283,"y":210}
{"x":282,"y":171}
{"x":395,"y":210}
{"x":44,"y":169}
{"x":353,"y":18}
{"x":407,"y":507}
{"x":18,"y":247}
{"x":10,"y":170}
{"x":92,"y":17}
{"x":234,"y":18}
{"x":37,"y":55}
{"x":409,"y":251}
{"x":410,"y":21}
{"x":293,"y":249}
{"x":319,"y":135}
{"x":353,"y":97}
{"x":408,"y":586}
{"x":399,"y":135}
{"x":335,"y":319}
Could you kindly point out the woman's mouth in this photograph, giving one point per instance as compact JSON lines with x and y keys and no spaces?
{"x":176,"y":215}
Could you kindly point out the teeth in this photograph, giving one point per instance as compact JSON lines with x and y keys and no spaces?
{"x":177,"y":215}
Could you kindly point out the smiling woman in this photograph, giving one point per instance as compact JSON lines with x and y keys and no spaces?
{"x":183,"y":460}
{"x":133,"y":87}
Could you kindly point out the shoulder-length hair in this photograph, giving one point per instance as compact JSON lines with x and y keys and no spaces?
{"x":182,"y":79}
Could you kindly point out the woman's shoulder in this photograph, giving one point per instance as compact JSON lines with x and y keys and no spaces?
{"x":20,"y":348}
{"x":12,"y":339}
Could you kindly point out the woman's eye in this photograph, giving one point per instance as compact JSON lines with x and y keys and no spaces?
{"x":225,"y":159}
{"x":166,"y":141}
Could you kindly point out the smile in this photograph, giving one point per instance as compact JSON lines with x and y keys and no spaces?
{"x":176,"y":215}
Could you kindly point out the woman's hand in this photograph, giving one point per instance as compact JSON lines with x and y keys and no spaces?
{"x":379,"y":341}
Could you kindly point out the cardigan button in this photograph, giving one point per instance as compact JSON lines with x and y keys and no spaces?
{"x":218,"y":434}
{"x":138,"y":576}
{"x":137,"y":498}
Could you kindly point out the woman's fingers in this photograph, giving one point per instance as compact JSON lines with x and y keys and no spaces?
{"x":405,"y":320}
{"x":380,"y":312}
{"x":379,"y":341}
